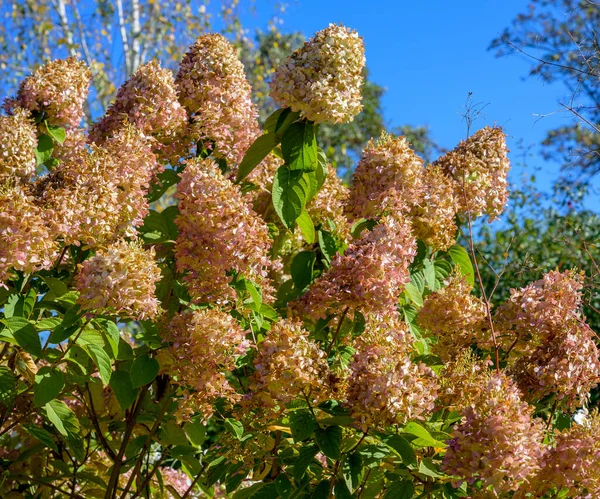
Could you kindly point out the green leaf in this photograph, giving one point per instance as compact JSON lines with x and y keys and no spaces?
{"x":143,"y":370}
{"x":120,"y":382}
{"x":258,"y":151}
{"x":67,"y":327}
{"x":429,"y":273}
{"x":340,"y":490}
{"x":321,"y":490}
{"x":43,"y":151}
{"x":235,"y":428}
{"x":429,"y":468}
{"x":328,"y":245}
{"x":413,"y":293}
{"x":172,"y":434}
{"x":299,"y":146}
{"x":353,"y":470}
{"x":318,"y":177}
{"x":290,"y":190}
{"x":302,"y":425}
{"x":42,"y":435}
{"x":57,"y":286}
{"x":196,"y":432}
{"x":24,"y":334}
{"x":285,"y":120}
{"x":307,"y":228}
{"x":8,"y":388}
{"x":305,"y":457}
{"x":400,"y":489}
{"x":48,"y":384}
{"x":58,"y":133}
{"x":102,"y":361}
{"x":403,"y":448}
{"x":111,"y":334}
{"x":62,"y":417}
{"x":164,"y":180}
{"x":329,"y":441}
{"x":283,"y":485}
{"x":302,"y":268}
{"x":424,"y":438}
{"x":461,"y":258}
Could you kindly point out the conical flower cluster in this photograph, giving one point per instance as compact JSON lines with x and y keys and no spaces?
{"x":323,"y":78}
{"x":26,"y":242}
{"x":213,"y":89}
{"x":18,"y":140}
{"x":385,"y":387}
{"x":218,"y":233}
{"x":369,"y":277}
{"x":455,"y":316}
{"x":387,"y":178}
{"x":204,"y":346}
{"x":148,"y":101}
{"x":59,"y":89}
{"x":120,"y":280}
{"x":498,"y":441}
{"x":555,"y":349}
{"x":289,"y":366}
{"x":96,"y":196}
{"x":479,"y":167}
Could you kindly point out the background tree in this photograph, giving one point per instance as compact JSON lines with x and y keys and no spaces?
{"x":560,"y":38}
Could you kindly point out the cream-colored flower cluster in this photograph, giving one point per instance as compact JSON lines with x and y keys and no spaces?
{"x":289,"y":366}
{"x":455,"y":316}
{"x":387,"y":178}
{"x":214,"y":90}
{"x":148,"y":101}
{"x":59,"y":89}
{"x":120,"y":280}
{"x":368,"y":278}
{"x":204,"y":345}
{"x":18,"y":140}
{"x":323,"y":78}
{"x":218,"y":232}
{"x":479,"y":167}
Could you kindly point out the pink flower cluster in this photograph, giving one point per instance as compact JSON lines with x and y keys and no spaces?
{"x":204,"y":345}
{"x":59,"y":89}
{"x":120,"y":280}
{"x":369,"y":277}
{"x":218,"y":232}
{"x":213,"y":89}
{"x":149,"y":102}
{"x":18,"y":140}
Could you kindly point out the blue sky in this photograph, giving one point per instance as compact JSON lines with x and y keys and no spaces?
{"x":430,"y":55}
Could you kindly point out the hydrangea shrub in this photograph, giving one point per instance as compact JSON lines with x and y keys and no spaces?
{"x":195,"y":306}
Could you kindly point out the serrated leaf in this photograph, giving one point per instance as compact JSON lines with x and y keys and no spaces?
{"x":305,"y":457}
{"x":48,"y":384}
{"x":101,"y":359}
{"x":461,"y":258}
{"x":307,"y":227}
{"x":302,"y":267}
{"x":429,"y":273}
{"x":290,"y":189}
{"x":302,"y":424}
{"x":111,"y":334}
{"x":400,"y":489}
{"x":42,"y":435}
{"x":62,"y":417}
{"x":143,"y":370}
{"x":299,"y":146}
{"x":329,"y":441}
{"x":258,"y":151}
{"x":235,"y":428}
{"x":328,"y":245}
{"x":413,"y":293}
{"x":120,"y":382}
{"x":24,"y":334}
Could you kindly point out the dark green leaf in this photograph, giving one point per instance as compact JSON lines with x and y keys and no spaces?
{"x":120,"y":382}
{"x":101,"y":359}
{"x":235,"y":428}
{"x":25,"y":335}
{"x":62,"y":417}
{"x":328,"y":245}
{"x":165,"y":180}
{"x":302,"y":424}
{"x":340,"y":490}
{"x":111,"y":334}
{"x":43,"y":151}
{"x":302,"y":268}
{"x":42,"y":435}
{"x":403,"y":448}
{"x":305,"y":457}
{"x":256,"y":153}
{"x":321,"y":490}
{"x":143,"y":370}
{"x":8,"y":388}
{"x":57,"y":286}
{"x":285,"y":120}
{"x":428,"y":468}
{"x":48,"y":384}
{"x":299,"y":147}
{"x":400,"y":489}
{"x":329,"y":441}
{"x":353,"y":470}
{"x":290,"y":189}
